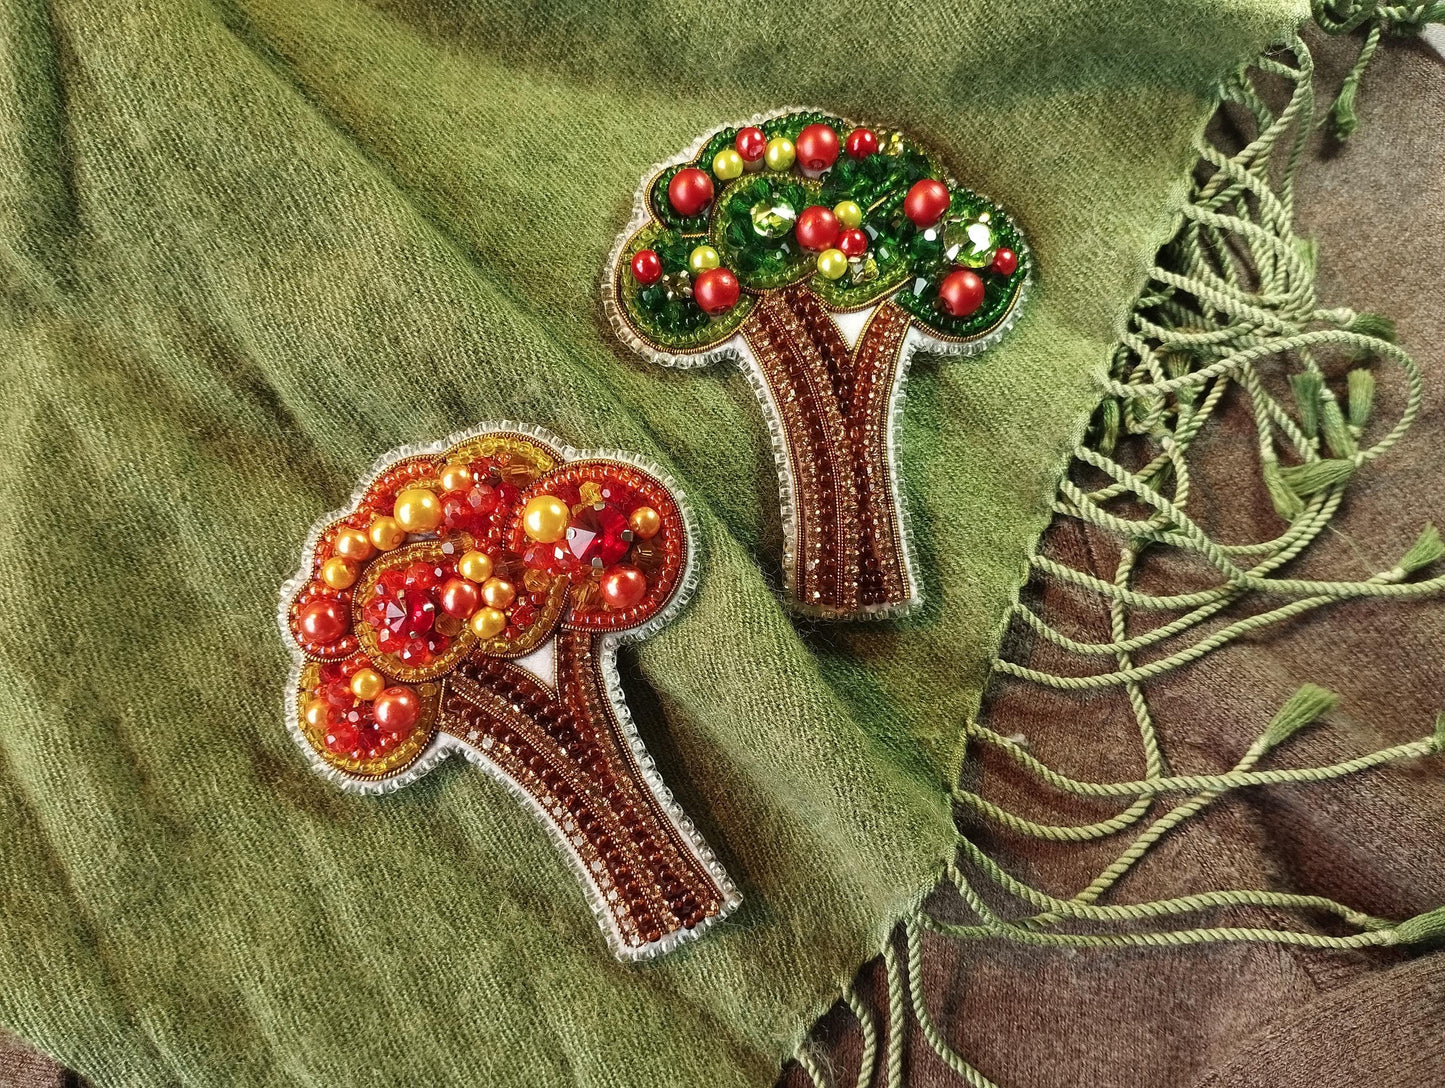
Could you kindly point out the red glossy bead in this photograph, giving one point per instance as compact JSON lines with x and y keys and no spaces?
{"x":623,"y":587}
{"x":716,"y":291}
{"x":689,"y":191}
{"x":397,"y":710}
{"x":751,"y":142}
{"x":817,"y":147}
{"x":323,"y":622}
{"x":1005,"y":262}
{"x":853,"y":243}
{"x":460,"y":597}
{"x":817,"y":228}
{"x":926,"y":202}
{"x":862,"y":142}
{"x":961,"y":292}
{"x":646,"y":267}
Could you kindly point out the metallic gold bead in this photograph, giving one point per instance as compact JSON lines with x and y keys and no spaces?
{"x":727,"y":164}
{"x":848,"y":213}
{"x":702,"y":258}
{"x":386,"y":533}
{"x":488,"y":623}
{"x":418,"y":510}
{"x":338,"y":573}
{"x":545,"y":519}
{"x":352,"y":544}
{"x":780,"y":153}
{"x":456,"y":476}
{"x":316,"y":715}
{"x":645,"y":522}
{"x":367,"y":684}
{"x":832,"y":264}
{"x":498,"y":592}
{"x":475,"y":566}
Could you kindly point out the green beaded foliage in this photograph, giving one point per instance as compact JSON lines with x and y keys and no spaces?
{"x":902,"y":261}
{"x":676,"y":322}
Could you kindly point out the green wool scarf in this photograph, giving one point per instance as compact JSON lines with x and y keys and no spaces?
{"x":251,"y":245}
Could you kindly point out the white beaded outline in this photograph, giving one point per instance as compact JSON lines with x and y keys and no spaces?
{"x":735,"y":350}
{"x":443,"y":744}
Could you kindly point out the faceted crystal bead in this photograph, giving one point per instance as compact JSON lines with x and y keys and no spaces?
{"x":599,"y":535}
{"x":862,"y":269}
{"x":773,"y":218}
{"x":970,"y":242}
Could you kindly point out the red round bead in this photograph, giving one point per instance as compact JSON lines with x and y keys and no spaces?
{"x":689,"y":191}
{"x":460,"y":597}
{"x":961,"y":292}
{"x":397,"y":710}
{"x":323,"y":622}
{"x":817,"y":147}
{"x":853,"y":242}
{"x":862,"y":142}
{"x":926,"y":202}
{"x":646,"y":267}
{"x":751,"y":142}
{"x":817,"y":228}
{"x":1005,"y":262}
{"x":716,"y":291}
{"x":623,"y":587}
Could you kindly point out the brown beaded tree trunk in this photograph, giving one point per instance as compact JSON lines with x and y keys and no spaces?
{"x":833,"y":403}
{"x":568,"y":752}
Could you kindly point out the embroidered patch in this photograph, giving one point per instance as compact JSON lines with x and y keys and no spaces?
{"x":471,"y":598}
{"x":821,"y":255}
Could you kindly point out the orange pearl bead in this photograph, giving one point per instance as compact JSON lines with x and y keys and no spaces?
{"x":323,"y":622}
{"x":488,"y":622}
{"x":475,"y":566}
{"x":623,"y":587}
{"x":352,"y":544}
{"x":418,"y":510}
{"x":460,"y":597}
{"x":456,"y":476}
{"x":367,"y":684}
{"x":386,"y":533}
{"x":645,"y":522}
{"x":338,"y":573}
{"x":498,"y":592}
{"x":397,"y":710}
{"x":316,"y":713}
{"x":545,"y":519}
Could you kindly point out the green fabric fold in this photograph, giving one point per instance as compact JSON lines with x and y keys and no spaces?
{"x":249,"y":247}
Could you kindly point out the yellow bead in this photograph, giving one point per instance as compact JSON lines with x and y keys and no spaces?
{"x":848,"y":213}
{"x":316,"y":713}
{"x":386,"y":533}
{"x":456,"y":476}
{"x":832,"y":264}
{"x":367,"y":684}
{"x":780,"y":153}
{"x":545,"y":519}
{"x":338,"y":573}
{"x":645,"y":522}
{"x":475,"y":566}
{"x":727,"y":164}
{"x":702,"y":258}
{"x":488,"y":623}
{"x":352,"y":544}
{"x":498,"y":592}
{"x":418,"y":510}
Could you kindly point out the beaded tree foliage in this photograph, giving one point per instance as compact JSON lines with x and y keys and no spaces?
{"x":822,"y":255}
{"x":471,"y":599}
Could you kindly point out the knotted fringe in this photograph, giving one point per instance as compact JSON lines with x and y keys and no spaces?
{"x":1345,"y":16}
{"x":1234,"y":291}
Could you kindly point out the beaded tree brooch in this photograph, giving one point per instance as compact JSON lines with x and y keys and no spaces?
{"x":472,"y":598}
{"x":821,"y":255}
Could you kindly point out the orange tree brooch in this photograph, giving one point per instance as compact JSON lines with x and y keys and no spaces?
{"x":821,"y":255}
{"x":471,"y":598}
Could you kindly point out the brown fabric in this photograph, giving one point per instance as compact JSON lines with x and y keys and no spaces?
{"x":1239,"y":1016}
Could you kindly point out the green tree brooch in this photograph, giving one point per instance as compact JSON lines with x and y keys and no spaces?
{"x":821,"y":255}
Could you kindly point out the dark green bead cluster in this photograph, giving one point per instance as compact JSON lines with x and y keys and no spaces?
{"x":902,"y":261}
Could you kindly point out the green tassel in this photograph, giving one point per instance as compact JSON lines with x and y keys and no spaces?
{"x":1362,"y":397}
{"x":1307,"y":387}
{"x":1377,"y":325}
{"x":1315,"y":476}
{"x":1287,"y":503}
{"x":1427,"y":549}
{"x":1332,"y":425}
{"x":1440,"y":731}
{"x":1298,"y":711}
{"x":1429,"y":926}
